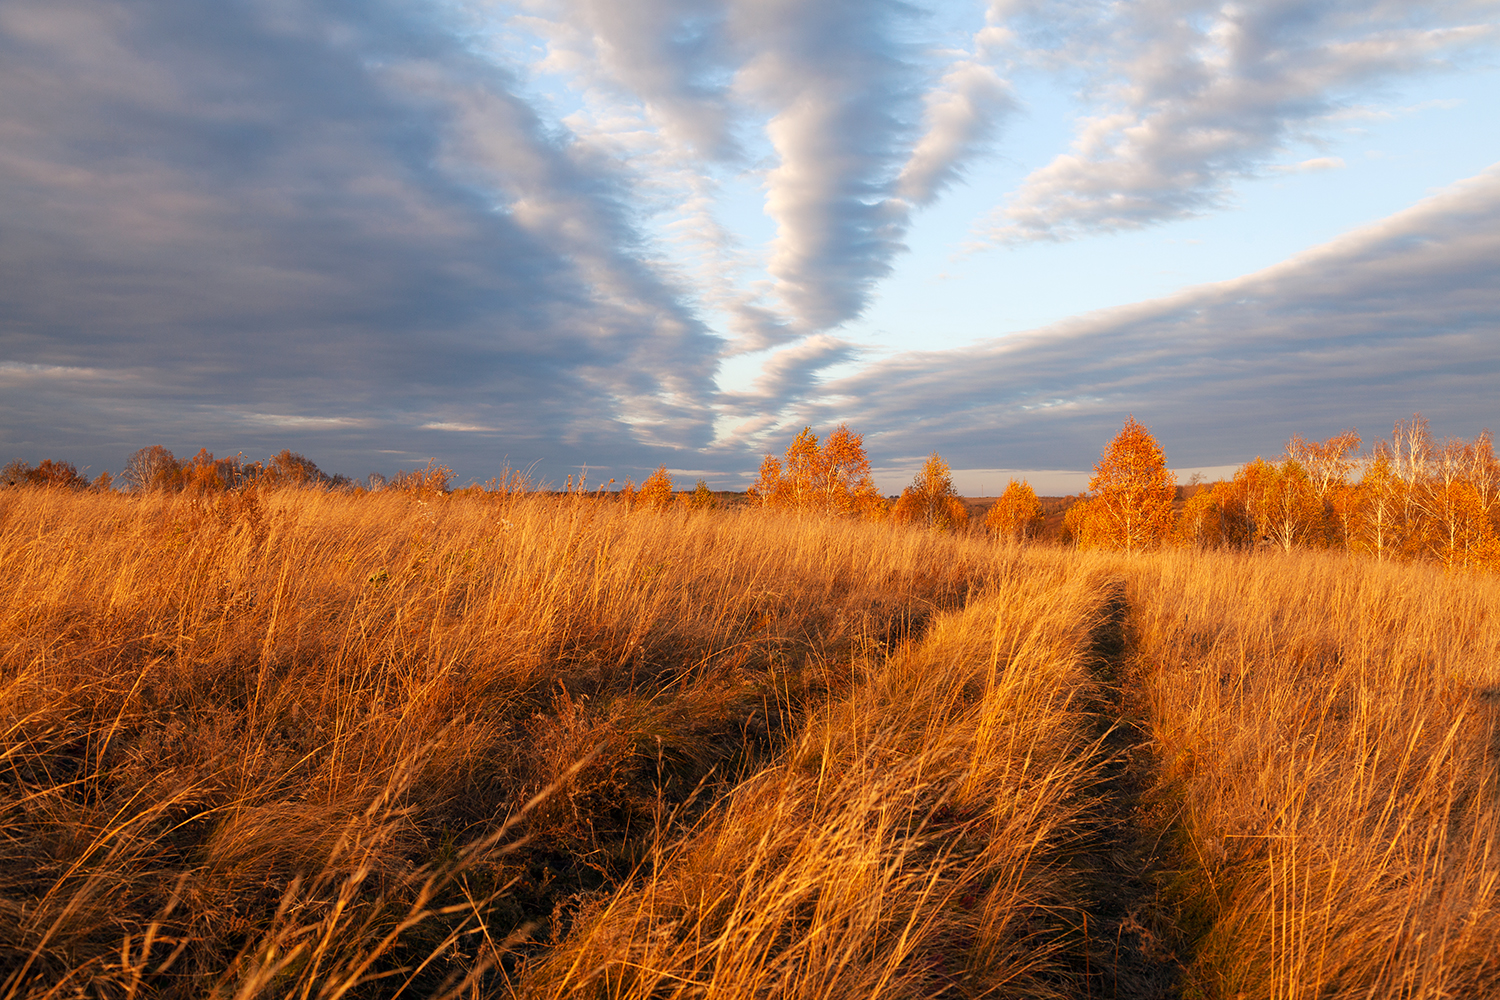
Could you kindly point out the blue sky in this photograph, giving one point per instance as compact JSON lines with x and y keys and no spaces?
{"x":561,"y":232}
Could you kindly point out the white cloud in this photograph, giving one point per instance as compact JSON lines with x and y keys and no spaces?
{"x":1191,"y":96}
{"x":1399,"y":316}
{"x":1313,"y":165}
{"x":964,"y":112}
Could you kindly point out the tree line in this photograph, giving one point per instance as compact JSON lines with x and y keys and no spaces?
{"x":157,"y":470}
{"x":1408,"y":497}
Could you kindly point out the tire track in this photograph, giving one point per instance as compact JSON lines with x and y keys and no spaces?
{"x":1134,"y":949}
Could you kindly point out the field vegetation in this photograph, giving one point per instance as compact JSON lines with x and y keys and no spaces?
{"x":267,"y":734}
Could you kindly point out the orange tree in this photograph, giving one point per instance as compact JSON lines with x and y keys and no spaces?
{"x":832,"y":478}
{"x":152,"y":469}
{"x":1017,"y":514}
{"x":1217,"y":517}
{"x":1201,"y":519}
{"x":62,"y":475}
{"x":1131,"y":506}
{"x":1328,"y":465}
{"x":656,"y":492}
{"x":1282,"y":502}
{"x":931,"y":500}
{"x":1076,"y":523}
{"x":1453,"y":503}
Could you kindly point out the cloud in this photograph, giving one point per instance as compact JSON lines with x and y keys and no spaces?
{"x":854,"y":153}
{"x":1399,"y":316}
{"x":849,"y":122}
{"x":338,"y":216}
{"x":841,"y":91}
{"x":963,"y":115}
{"x":1190,"y":97}
{"x":1311,"y":166}
{"x":819,"y":99}
{"x":788,"y":378}
{"x":460,"y":428}
{"x":669,"y":55}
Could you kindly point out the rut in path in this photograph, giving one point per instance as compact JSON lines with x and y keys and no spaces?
{"x":1134,"y":948}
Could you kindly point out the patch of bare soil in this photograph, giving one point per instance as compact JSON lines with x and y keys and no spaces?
{"x":1134,"y":948}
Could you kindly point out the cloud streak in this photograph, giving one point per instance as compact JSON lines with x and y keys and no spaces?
{"x":857,"y":131}
{"x":1190,"y":97}
{"x":291,"y":209}
{"x":1395,"y":317}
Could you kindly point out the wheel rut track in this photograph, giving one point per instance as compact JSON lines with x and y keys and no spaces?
{"x":1133,"y":948}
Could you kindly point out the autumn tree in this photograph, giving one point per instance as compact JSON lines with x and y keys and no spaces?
{"x":1218,"y":517}
{"x":1482,"y":469}
{"x":1377,"y":514}
{"x":1282,"y":502}
{"x":47,"y":473}
{"x":151,"y":469}
{"x":656,"y":492}
{"x":767,"y":490}
{"x":1076,"y":522}
{"x":805,"y":471}
{"x":1199,"y":524}
{"x":1452,"y":499}
{"x":702,"y":498}
{"x":831,"y":478}
{"x":1017,"y":513}
{"x":205,"y":474}
{"x":931,"y":500}
{"x":1328,"y":465}
{"x":287,"y":468}
{"x":847,"y":486}
{"x":1131,"y":506}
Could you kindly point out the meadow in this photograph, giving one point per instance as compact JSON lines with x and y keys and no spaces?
{"x":300,"y":743}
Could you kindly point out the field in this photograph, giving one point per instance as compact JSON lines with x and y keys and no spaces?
{"x":296,"y":743}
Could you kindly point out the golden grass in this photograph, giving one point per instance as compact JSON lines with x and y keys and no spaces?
{"x":317,"y":745}
{"x":1327,"y":731}
{"x":221,"y":718}
{"x":909,"y":843}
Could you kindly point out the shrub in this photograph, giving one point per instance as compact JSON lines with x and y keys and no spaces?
{"x":62,"y":475}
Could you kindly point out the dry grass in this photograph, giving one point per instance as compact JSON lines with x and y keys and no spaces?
{"x":316,"y":745}
{"x":910,"y":843}
{"x":244,"y":725}
{"x":1327,"y":731}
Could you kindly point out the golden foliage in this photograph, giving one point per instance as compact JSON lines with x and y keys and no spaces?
{"x":1132,"y":492}
{"x":656,"y":492}
{"x":47,"y":474}
{"x":931,"y":501}
{"x":833,"y":478}
{"x":1017,"y":513}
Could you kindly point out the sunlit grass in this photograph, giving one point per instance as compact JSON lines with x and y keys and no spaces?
{"x":301,"y":743}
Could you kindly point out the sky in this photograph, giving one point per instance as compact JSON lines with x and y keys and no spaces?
{"x":555,"y":234}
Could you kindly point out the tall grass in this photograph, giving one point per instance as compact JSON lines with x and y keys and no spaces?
{"x":258,"y":732}
{"x":302,"y":744}
{"x":1327,"y":730}
{"x":911,"y":842}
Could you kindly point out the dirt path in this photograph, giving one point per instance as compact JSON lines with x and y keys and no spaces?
{"x":1134,"y":949}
